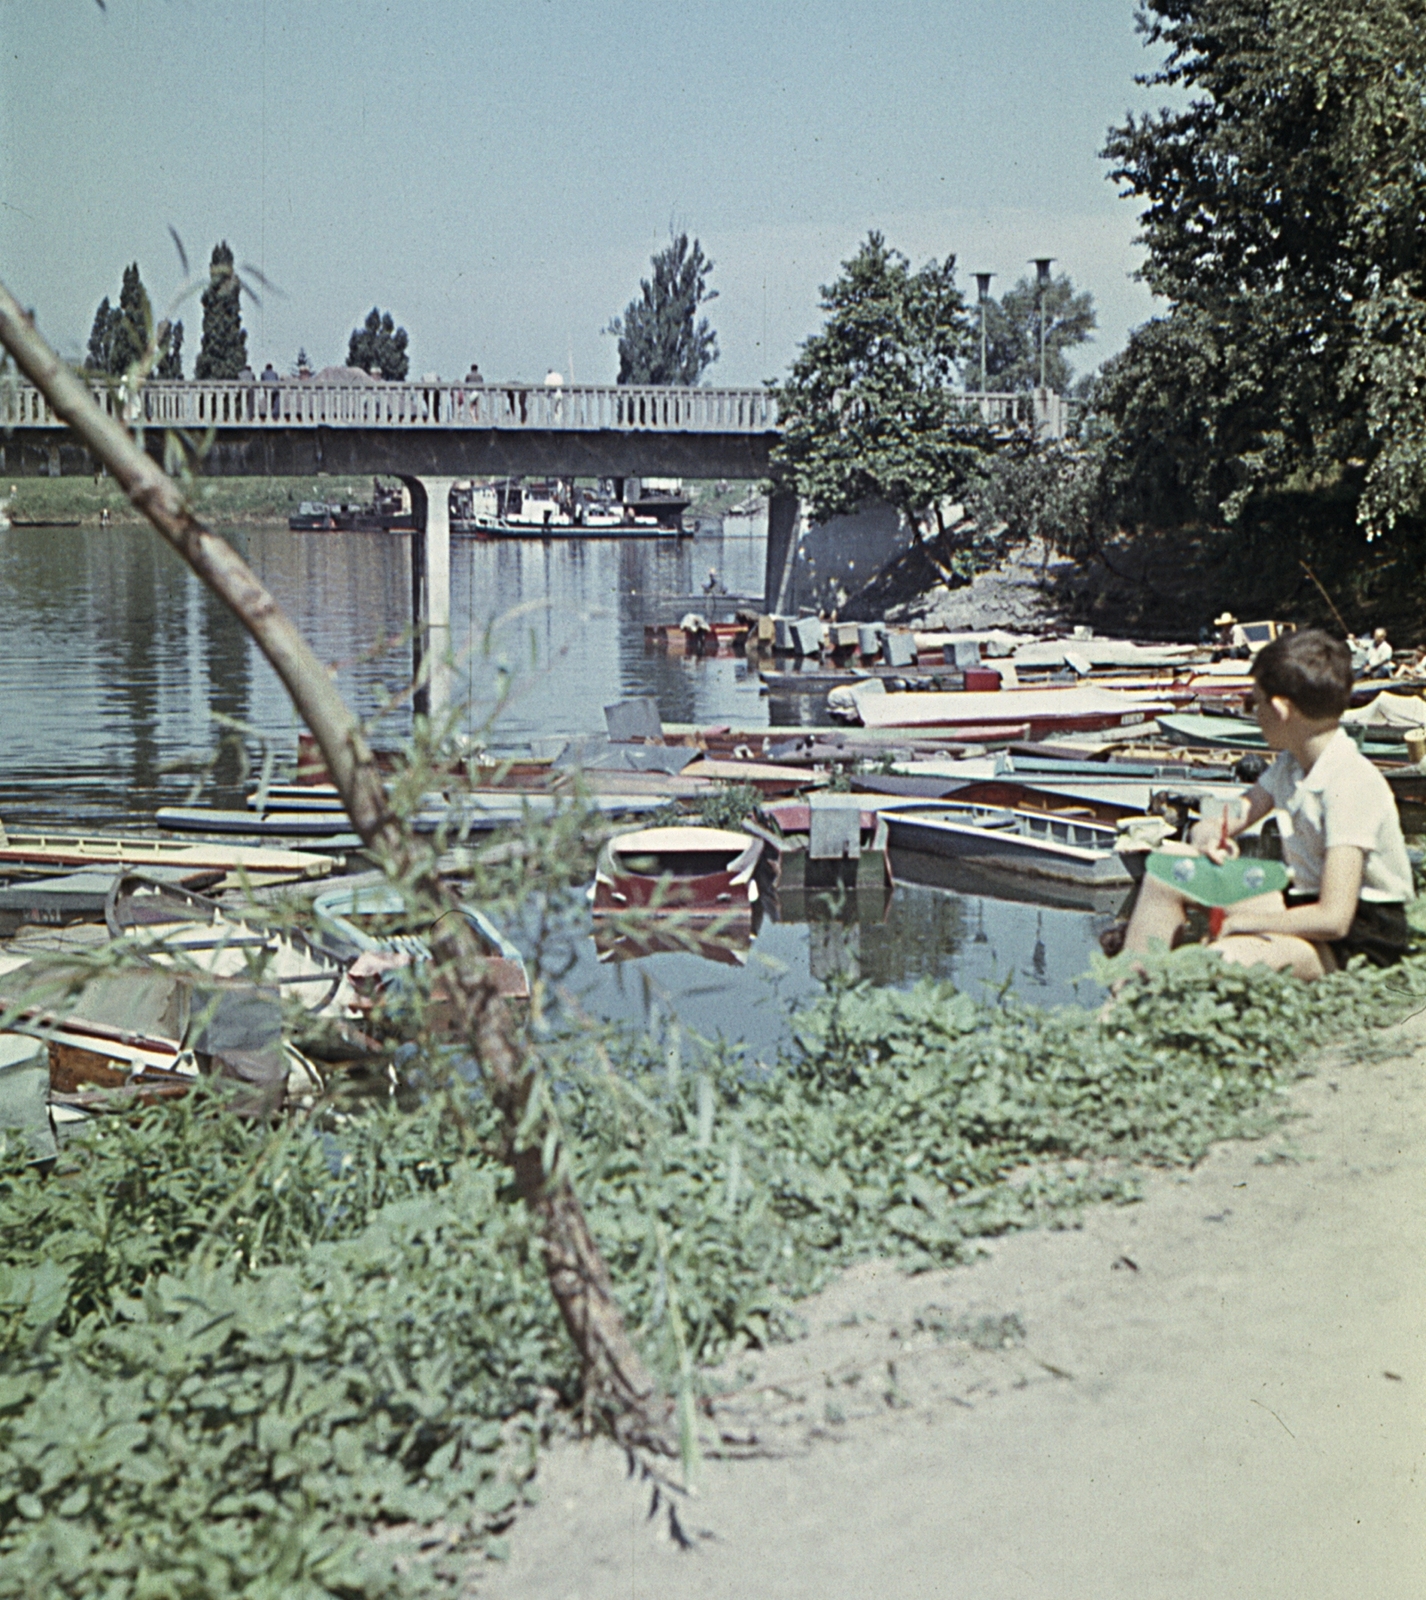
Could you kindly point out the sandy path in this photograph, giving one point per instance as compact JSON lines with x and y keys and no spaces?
{"x":1241,"y":1416}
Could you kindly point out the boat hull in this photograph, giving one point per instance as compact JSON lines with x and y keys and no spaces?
{"x":1028,"y":844}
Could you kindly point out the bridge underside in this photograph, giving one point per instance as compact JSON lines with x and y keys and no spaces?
{"x":434,"y":452}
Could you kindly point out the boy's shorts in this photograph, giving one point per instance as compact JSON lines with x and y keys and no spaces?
{"x":1379,"y":931}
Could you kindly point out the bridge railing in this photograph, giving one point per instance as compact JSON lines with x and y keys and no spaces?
{"x":302,"y":403}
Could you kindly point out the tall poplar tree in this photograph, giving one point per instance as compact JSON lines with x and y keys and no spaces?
{"x":661,"y":338}
{"x":223,"y":352}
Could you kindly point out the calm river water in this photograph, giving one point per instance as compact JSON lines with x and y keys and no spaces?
{"x":114,"y":659}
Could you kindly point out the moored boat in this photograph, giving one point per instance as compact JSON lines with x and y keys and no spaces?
{"x":1031,"y":843}
{"x":693,"y":869}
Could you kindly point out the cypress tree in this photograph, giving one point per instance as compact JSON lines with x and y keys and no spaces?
{"x":100,"y":336}
{"x":223,"y":352}
{"x":170,"y":363}
{"x":129,"y":326}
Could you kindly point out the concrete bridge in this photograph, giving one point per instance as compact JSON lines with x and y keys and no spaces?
{"x":432,"y":434}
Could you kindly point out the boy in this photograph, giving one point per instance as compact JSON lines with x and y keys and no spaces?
{"x":1342,"y":843}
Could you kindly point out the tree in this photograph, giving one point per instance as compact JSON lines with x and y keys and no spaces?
{"x":119,"y":337}
{"x":659,"y":341}
{"x":1283,"y":207}
{"x":100,"y":335}
{"x":223,"y":352}
{"x":170,"y":343}
{"x":870,"y":408}
{"x":380,"y":346}
{"x":1012,"y":336}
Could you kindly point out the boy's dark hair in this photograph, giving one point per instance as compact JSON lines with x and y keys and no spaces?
{"x":1311,"y":668}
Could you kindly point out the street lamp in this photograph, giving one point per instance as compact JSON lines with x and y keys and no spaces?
{"x":1042,"y":266}
{"x":982,"y":283}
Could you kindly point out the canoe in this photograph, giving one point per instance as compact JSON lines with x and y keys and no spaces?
{"x":332,"y":827}
{"x":1029,"y":843}
{"x":694,"y":869}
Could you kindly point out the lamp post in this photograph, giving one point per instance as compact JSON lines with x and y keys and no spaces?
{"x":1042,"y":266}
{"x":982,"y":283}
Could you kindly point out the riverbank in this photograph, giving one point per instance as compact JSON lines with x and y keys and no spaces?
{"x":248,"y":500}
{"x":1218,"y":1391}
{"x":367,"y":1287}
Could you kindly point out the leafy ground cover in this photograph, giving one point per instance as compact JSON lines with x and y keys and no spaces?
{"x":319,"y":1361}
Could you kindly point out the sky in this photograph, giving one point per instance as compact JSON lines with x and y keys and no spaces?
{"x":497,"y":173}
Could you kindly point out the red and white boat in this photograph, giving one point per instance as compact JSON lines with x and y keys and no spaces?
{"x":700,"y":870}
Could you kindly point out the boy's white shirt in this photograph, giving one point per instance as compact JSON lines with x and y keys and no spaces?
{"x":1342,"y":800}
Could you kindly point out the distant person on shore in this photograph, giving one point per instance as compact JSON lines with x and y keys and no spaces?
{"x":1351,"y":876}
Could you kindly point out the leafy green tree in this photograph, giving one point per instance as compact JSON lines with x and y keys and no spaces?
{"x":662,"y":340}
{"x":1012,"y":336}
{"x":223,"y":351}
{"x":870,"y":408}
{"x":170,"y":343}
{"x":1283,"y":199}
{"x":379,"y":346}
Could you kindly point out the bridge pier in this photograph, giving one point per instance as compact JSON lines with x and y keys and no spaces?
{"x":430,"y":594}
{"x":784,"y":524}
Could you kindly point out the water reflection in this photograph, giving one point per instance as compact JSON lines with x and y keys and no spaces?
{"x":115,"y":658}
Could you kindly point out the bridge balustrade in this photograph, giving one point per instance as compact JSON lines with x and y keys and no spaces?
{"x":300,"y":403}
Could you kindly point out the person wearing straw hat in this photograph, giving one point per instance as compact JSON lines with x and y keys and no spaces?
{"x":1231,"y":636}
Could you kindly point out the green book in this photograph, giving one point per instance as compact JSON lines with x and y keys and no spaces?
{"x":1213,"y":883}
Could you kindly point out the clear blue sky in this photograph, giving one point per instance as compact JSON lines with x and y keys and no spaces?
{"x":497,"y":172}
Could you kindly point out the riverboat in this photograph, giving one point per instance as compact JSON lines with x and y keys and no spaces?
{"x":550,"y":509}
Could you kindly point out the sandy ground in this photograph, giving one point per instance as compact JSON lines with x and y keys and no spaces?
{"x":1217,"y":1392}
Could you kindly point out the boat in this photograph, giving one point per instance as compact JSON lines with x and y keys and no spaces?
{"x":388,"y":511}
{"x":1034,"y":844}
{"x":828,"y":842}
{"x":547,"y":509}
{"x":258,"y":865}
{"x":694,"y":870}
{"x":312,"y":516}
{"x":1042,"y":711}
{"x":1237,"y":733}
{"x":371,"y":916}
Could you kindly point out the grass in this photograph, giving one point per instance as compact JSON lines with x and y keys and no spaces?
{"x":228,"y":1355}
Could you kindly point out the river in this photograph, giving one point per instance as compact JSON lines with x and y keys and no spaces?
{"x":116,"y":662}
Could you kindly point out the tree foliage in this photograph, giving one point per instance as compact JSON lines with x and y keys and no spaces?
{"x":870,"y":409}
{"x":379,"y":346}
{"x":1012,"y":336}
{"x":120,"y":335}
{"x":170,"y":342}
{"x":662,"y":340}
{"x":1283,"y":218}
{"x":223,"y":352}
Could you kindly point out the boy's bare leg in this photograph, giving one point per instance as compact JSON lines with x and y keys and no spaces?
{"x":1281,"y":951}
{"x":1156,"y":918}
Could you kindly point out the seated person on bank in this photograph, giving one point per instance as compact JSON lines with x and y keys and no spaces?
{"x":1342,"y":843}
